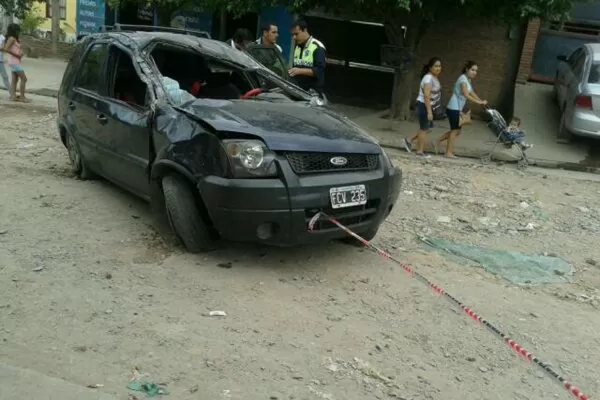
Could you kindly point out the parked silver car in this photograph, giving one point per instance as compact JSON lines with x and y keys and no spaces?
{"x":577,"y":90}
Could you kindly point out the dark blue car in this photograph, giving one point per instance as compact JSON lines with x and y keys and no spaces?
{"x":227,"y":147}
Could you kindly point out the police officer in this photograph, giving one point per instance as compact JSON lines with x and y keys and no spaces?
{"x":308,"y":68}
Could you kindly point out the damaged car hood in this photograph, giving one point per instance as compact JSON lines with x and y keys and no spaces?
{"x":285,"y":126}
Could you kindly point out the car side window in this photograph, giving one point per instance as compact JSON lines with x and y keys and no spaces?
{"x":90,"y":72}
{"x":124,"y":83}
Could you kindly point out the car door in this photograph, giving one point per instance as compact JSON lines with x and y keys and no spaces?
{"x":125,"y":115}
{"x":270,"y":57}
{"x":83,"y":101}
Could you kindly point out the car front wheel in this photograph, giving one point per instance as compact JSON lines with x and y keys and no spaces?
{"x":184,"y":215}
{"x":77,"y":163}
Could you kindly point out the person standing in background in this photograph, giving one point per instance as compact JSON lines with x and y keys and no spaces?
{"x":308,"y":68}
{"x":428,"y":105}
{"x":270,"y":32}
{"x":241,"y":39}
{"x":12,"y":47}
{"x":462,"y":91}
{"x":3,"y":74}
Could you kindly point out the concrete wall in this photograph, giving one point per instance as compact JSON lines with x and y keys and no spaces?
{"x":531,"y":36}
{"x":456,"y":42}
{"x":36,"y":48}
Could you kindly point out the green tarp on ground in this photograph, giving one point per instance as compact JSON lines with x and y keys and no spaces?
{"x":513,"y":266}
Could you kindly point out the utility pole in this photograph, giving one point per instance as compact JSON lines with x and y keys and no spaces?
{"x":55,"y":10}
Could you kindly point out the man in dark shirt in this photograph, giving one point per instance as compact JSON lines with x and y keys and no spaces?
{"x":308,"y":68}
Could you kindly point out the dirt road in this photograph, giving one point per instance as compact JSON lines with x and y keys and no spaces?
{"x":90,"y":290}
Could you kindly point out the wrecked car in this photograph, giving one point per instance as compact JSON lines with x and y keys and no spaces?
{"x":229,"y":149}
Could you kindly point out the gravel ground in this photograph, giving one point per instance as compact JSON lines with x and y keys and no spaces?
{"x":91,"y":289}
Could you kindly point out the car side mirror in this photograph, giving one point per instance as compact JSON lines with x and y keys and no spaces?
{"x":561,"y":58}
{"x":317,"y":99}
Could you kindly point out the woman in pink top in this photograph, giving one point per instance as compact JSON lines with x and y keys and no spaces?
{"x":12,"y":47}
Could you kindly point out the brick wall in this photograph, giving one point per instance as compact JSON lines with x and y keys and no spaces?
{"x":531,"y":36}
{"x":457,"y":42}
{"x":34,"y":48}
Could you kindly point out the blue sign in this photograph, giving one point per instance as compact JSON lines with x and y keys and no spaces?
{"x":90,"y":16}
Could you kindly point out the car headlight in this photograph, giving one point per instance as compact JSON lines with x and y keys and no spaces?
{"x":250,"y":158}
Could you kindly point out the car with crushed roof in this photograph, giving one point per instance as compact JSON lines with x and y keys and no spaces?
{"x":228,"y":149}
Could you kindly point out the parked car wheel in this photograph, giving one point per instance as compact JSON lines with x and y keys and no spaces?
{"x":77,"y":163}
{"x":368,"y":236}
{"x":564,"y":136}
{"x":184,"y":215}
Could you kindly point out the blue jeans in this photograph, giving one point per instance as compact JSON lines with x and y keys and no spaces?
{"x":4,"y":76}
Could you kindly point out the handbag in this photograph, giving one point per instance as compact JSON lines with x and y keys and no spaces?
{"x":438,"y":111}
{"x":465,"y":118}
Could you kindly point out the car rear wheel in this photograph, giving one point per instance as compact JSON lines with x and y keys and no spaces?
{"x":77,"y":163}
{"x":184,"y":216}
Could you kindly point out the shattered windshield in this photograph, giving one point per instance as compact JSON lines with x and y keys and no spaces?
{"x":229,"y":54}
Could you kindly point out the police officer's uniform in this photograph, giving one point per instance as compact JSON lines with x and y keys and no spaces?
{"x":304,"y":57}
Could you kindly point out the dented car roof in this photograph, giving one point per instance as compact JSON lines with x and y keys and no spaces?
{"x":210,"y":47}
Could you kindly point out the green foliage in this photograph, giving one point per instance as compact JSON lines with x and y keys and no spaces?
{"x":30,"y":23}
{"x":507,"y":10}
{"x":18,"y":8}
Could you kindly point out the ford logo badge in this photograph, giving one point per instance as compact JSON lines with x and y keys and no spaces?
{"x":339,"y":161}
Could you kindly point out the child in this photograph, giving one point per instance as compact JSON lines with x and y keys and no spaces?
{"x":513,"y":133}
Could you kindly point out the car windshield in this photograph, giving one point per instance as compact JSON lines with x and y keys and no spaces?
{"x":189,"y":74}
{"x":229,"y":54}
{"x":594,"y":76}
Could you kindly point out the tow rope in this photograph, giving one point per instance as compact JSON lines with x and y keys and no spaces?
{"x":514,"y":346}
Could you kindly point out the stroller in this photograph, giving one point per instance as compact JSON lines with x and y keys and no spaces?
{"x":499,"y":126}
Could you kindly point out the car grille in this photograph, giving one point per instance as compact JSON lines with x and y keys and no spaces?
{"x":307,"y":163}
{"x":346,"y":216}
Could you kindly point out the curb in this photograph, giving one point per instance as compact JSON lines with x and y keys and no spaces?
{"x":549,"y":164}
{"x":45,"y":92}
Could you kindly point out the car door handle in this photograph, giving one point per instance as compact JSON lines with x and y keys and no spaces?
{"x":71,"y":105}
{"x":102,"y":119}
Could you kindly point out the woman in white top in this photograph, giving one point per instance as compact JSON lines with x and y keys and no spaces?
{"x":429,"y":99}
{"x":462,"y":91}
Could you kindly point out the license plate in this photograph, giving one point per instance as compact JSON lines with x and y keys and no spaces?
{"x":348,"y":196}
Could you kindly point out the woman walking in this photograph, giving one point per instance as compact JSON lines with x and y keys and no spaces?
{"x":428,"y":101}
{"x":12,"y":47}
{"x":462,"y":91}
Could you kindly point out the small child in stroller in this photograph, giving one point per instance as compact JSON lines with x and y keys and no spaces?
{"x":514,"y":134}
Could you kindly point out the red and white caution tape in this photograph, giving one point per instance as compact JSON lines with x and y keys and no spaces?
{"x":514,"y":346}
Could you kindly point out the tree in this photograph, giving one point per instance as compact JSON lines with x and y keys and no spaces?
{"x":16,"y":8}
{"x":406,"y":21}
{"x":55,"y":10}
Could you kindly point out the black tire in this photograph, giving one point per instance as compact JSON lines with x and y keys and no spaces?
{"x":76,"y":159}
{"x":184,"y":216}
{"x":368,"y":236}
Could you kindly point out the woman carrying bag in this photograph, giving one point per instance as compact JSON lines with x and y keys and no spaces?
{"x":462,"y":91}
{"x":429,"y":105}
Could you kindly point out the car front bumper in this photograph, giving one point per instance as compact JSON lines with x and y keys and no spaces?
{"x":277,"y":211}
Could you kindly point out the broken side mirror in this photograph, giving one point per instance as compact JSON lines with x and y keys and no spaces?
{"x":317,"y":99}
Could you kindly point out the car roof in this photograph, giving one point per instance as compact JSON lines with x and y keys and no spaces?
{"x":594,"y":50}
{"x":211,"y":47}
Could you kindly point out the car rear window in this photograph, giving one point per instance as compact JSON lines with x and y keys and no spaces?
{"x":594,"y":76}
